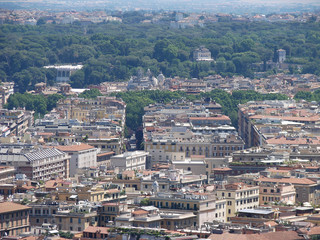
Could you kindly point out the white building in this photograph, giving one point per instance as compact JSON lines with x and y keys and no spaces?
{"x":82,"y":156}
{"x":130,"y":160}
{"x":202,"y":54}
{"x":281,"y":55}
{"x":64,"y":72}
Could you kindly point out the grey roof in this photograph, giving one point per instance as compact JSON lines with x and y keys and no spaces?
{"x":256,"y":211}
{"x":44,"y":153}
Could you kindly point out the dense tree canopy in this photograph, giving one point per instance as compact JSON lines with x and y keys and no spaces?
{"x":39,"y":103}
{"x":92,"y":93}
{"x":114,"y":51}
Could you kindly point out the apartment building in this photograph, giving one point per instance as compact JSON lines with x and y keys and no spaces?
{"x":238,"y":196}
{"x":179,"y":130}
{"x":107,"y":143}
{"x":280,"y":193}
{"x":130,"y":161}
{"x":7,"y":174}
{"x":109,"y":211}
{"x":78,"y":218}
{"x":100,"y":233}
{"x":202,"y":204}
{"x":42,"y":213}
{"x":81,"y":156}
{"x":306,"y":189}
{"x":39,"y":164}
{"x":176,"y":219}
{"x":14,"y":219}
{"x":263,"y":122}
{"x":93,"y":109}
{"x":144,"y":217}
{"x":211,"y":147}
{"x":15,"y":122}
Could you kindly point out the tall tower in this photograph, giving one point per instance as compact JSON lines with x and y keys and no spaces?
{"x":281,"y":55}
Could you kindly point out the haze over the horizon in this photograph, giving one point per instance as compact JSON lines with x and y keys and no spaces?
{"x":225,"y":6}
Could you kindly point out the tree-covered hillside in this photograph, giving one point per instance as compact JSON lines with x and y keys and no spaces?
{"x":114,"y":51}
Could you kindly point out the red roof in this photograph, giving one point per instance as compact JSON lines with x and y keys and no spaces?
{"x":102,"y":230}
{"x":74,"y":148}
{"x":139,"y":212}
{"x":302,"y":181}
{"x":287,"y":235}
{"x":222,"y":169}
{"x":105,"y":154}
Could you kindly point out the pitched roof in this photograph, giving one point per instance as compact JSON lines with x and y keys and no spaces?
{"x":139,"y":212}
{"x":6,"y":207}
{"x":75,"y":148}
{"x":302,"y":181}
{"x":105,"y":154}
{"x":43,"y":153}
{"x":288,"y":235}
{"x":102,"y":230}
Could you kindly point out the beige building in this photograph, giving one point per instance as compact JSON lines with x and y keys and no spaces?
{"x":93,"y":109}
{"x":109,"y":144}
{"x":14,"y":219}
{"x":201,"y":204}
{"x":284,"y":193}
{"x":77,"y":219}
{"x":7,"y":174}
{"x":238,"y":196}
{"x":210,"y":148}
{"x":306,"y":189}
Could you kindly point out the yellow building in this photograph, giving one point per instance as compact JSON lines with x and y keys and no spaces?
{"x":238,"y":196}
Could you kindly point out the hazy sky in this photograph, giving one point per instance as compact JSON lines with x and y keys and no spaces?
{"x":226,"y":6}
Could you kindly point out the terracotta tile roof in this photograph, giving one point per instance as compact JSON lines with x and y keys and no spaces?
{"x":102,"y":230}
{"x":128,"y":173}
{"x":53,"y":183}
{"x":222,"y":169}
{"x":271,"y":223}
{"x":277,"y":171}
{"x":286,"y":118}
{"x":301,"y":181}
{"x":45,"y":133}
{"x":312,"y":231}
{"x":139,"y":212}
{"x":284,"y":140}
{"x":148,"y":172}
{"x":287,"y":235}
{"x":75,"y":148}
{"x":105,"y":154}
{"x":6,"y":207}
{"x":113,"y":191}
